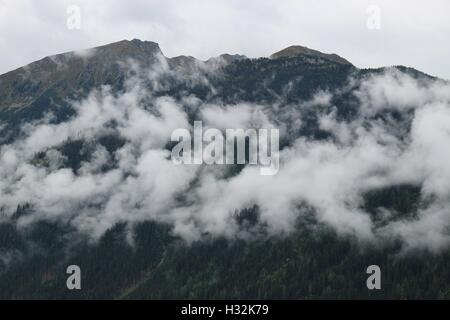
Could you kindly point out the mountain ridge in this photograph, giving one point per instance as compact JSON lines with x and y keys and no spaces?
{"x":49,"y":84}
{"x":131,"y":47}
{"x":100,"y":65}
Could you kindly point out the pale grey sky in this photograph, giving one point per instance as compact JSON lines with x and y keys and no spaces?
{"x":412,"y":32}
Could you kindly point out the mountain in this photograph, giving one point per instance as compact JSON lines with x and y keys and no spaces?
{"x":47,"y":85}
{"x":314,"y":56}
{"x":315,"y":98}
{"x":71,"y":71}
{"x":28,"y":92}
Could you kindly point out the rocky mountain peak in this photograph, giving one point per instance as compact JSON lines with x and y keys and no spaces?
{"x":301,"y":51}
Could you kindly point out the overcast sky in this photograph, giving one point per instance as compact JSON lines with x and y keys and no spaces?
{"x":411,"y":32}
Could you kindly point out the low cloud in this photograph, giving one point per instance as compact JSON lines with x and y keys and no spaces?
{"x":137,"y":181}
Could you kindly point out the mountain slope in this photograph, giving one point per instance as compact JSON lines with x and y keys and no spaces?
{"x":317,"y":101}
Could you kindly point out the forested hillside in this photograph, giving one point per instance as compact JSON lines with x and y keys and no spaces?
{"x":80,"y":184}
